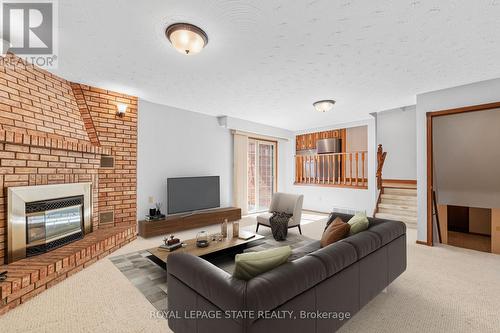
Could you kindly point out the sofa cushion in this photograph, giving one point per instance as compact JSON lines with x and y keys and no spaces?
{"x":275,"y":287}
{"x":335,"y":257}
{"x":249,"y":265}
{"x":364,"y":242}
{"x":335,"y":232}
{"x":334,"y":215}
{"x":207,"y":280}
{"x":387,"y":230}
{"x":358,"y":223}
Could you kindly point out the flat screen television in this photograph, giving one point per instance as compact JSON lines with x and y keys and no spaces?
{"x":187,"y":194}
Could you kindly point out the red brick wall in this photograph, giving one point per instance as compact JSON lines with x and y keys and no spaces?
{"x":33,"y":101}
{"x":117,"y":186}
{"x":53,"y":131}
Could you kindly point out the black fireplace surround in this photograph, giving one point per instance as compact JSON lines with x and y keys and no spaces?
{"x":53,"y":223}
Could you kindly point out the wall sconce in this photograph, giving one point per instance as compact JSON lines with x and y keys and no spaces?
{"x":122,"y":108}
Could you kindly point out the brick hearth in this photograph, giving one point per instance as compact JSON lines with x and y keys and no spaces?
{"x":53,"y":131}
{"x":29,"y":277}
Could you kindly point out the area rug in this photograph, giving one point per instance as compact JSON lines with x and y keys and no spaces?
{"x":151,"y":279}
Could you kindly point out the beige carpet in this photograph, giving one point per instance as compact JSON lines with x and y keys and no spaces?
{"x":444,"y":289}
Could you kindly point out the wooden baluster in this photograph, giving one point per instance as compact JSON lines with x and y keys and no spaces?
{"x":350,"y":168}
{"x":306,"y":165}
{"x":328,"y":168}
{"x":314,"y":172}
{"x":363,"y":167}
{"x":300,"y":166}
{"x":316,"y":160}
{"x":333,"y":168}
{"x":305,"y":169}
{"x":302,"y":169}
{"x":339,"y":171}
{"x":296,"y":169}
{"x":344,"y":166}
{"x":323,"y":167}
{"x":320,"y":168}
{"x":357,"y":168}
{"x":308,"y":169}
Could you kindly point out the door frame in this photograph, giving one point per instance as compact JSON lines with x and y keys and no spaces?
{"x":430,"y":156}
{"x":275,"y":163}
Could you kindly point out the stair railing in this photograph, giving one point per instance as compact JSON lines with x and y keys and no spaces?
{"x":336,"y":169}
{"x":381,"y":155}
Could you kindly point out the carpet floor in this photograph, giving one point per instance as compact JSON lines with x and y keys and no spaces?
{"x":444,"y":289}
{"x":151,"y":279}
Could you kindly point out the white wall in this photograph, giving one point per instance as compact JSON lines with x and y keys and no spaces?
{"x":470,"y":94}
{"x":356,"y":138}
{"x":175,"y":143}
{"x":285,"y":139}
{"x":256,"y":128}
{"x":325,"y":199}
{"x":467,"y":159}
{"x":396,"y":131}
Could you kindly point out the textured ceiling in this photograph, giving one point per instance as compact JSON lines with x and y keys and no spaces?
{"x":268,"y":61}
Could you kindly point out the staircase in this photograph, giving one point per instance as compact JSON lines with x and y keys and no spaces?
{"x":398,"y":202}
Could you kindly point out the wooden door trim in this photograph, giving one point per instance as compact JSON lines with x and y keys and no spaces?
{"x":275,"y":159}
{"x":430,"y":158}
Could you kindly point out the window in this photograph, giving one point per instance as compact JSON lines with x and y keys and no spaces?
{"x":261,"y":174}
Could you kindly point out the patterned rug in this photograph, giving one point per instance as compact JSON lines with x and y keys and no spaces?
{"x":151,"y":279}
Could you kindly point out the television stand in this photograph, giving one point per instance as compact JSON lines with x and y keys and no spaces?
{"x":176,"y":223}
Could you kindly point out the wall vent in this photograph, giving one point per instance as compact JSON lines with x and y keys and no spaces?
{"x":107,"y":161}
{"x":106,"y":217}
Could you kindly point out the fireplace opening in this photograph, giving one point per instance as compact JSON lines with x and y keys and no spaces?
{"x":53,"y":223}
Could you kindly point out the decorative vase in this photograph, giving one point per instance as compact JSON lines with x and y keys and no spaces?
{"x":202,"y":239}
{"x":223,"y":228}
{"x":236,"y":229}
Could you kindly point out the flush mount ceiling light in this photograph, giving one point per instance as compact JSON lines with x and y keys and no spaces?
{"x":324,"y":105}
{"x":186,"y":38}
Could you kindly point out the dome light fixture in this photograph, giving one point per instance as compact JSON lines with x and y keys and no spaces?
{"x":324,"y":105}
{"x":186,"y":38}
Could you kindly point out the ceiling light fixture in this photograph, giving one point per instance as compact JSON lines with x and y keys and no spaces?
{"x":324,"y":105}
{"x":186,"y":38}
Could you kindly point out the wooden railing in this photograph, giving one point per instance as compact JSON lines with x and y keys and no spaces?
{"x":338,"y":169}
{"x":381,"y":155}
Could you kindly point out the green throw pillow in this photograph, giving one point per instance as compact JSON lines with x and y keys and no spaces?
{"x":358,"y":222}
{"x":251,"y":264}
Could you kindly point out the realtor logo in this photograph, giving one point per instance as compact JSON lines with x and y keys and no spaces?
{"x":29,"y":31}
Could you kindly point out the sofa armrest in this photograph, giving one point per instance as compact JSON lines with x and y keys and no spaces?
{"x":209,"y":281}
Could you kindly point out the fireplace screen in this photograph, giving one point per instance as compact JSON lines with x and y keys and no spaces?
{"x":52,"y":223}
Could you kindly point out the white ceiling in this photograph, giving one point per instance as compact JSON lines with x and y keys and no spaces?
{"x":268,"y":61}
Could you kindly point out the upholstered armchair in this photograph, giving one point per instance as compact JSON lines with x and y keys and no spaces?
{"x":283,"y":203}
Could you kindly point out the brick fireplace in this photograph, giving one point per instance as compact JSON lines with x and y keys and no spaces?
{"x":53,"y":131}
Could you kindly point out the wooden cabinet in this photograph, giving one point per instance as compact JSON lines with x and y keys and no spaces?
{"x":308,"y":141}
{"x":179,"y":222}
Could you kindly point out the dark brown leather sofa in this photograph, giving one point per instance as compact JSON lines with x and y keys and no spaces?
{"x":316,"y":293}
